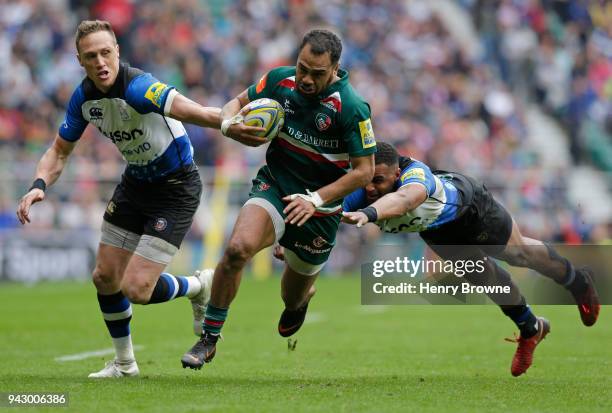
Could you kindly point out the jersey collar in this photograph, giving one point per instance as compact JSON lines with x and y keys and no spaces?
{"x":116,"y":90}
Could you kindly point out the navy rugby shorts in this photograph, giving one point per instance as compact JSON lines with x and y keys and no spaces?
{"x":160,"y":209}
{"x":482,"y":221}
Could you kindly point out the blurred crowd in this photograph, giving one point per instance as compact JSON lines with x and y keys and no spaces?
{"x":558,"y":53}
{"x":430,"y":97}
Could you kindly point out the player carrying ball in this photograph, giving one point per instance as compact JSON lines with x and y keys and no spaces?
{"x":324,"y":152}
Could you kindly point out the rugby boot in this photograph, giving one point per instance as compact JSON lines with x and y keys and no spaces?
{"x":200,"y":300}
{"x":202,"y":352}
{"x":117,"y":369}
{"x":588,"y":300}
{"x":291,"y":320}
{"x":526,"y":346}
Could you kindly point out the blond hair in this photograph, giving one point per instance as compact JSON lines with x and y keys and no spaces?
{"x":92,"y":26}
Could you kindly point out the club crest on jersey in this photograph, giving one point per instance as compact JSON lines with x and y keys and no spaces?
{"x":96,"y":113}
{"x":263,"y":186}
{"x":322,"y":121}
{"x":318,"y":242}
{"x":156,"y":92}
{"x":160,"y":224}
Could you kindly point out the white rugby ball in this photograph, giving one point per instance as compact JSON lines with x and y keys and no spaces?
{"x":265,"y":113}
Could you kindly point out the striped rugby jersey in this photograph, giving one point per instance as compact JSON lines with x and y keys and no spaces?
{"x":319,"y":135}
{"x":132,"y":114}
{"x":441,"y":206}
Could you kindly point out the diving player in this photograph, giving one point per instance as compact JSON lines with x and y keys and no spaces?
{"x":449,"y":209}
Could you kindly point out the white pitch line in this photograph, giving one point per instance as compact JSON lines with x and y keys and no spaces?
{"x":89,"y":354}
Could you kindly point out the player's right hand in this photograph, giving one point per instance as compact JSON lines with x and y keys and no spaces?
{"x":32,"y":197}
{"x":247,"y":135}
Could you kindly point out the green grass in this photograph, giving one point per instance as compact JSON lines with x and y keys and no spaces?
{"x":410,"y":358}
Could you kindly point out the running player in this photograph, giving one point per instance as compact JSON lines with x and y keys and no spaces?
{"x":324,"y":152}
{"x":153,"y":206}
{"x":449,"y":209}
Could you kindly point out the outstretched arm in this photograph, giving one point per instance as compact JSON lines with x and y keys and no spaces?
{"x":392,"y":205}
{"x":301,"y":208}
{"x":186,"y":110}
{"x":49,"y":169}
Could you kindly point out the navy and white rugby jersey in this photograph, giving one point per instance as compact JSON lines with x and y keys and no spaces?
{"x":132,"y":115}
{"x":440,"y":207}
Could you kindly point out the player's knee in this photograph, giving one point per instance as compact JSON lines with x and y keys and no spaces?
{"x":237,"y":254}
{"x":137,"y":293}
{"x":103,"y":279}
{"x":518,"y":257}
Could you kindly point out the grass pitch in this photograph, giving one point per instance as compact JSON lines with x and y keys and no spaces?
{"x":348,"y":357}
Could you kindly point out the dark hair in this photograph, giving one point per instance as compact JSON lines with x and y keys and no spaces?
{"x":321,"y":41}
{"x":92,"y":26}
{"x":386,"y":153}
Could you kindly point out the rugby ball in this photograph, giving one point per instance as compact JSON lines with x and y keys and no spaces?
{"x":265,"y":113}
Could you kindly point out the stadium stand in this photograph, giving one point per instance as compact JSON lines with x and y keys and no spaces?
{"x":454,"y":104}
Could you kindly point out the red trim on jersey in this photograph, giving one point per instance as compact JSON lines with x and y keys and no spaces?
{"x":288,"y":83}
{"x":331,"y":214}
{"x":262,"y":83}
{"x":333,"y":101}
{"x":314,"y":156}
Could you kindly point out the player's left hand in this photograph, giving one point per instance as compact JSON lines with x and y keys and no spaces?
{"x":355,"y":218}
{"x":299,"y":209}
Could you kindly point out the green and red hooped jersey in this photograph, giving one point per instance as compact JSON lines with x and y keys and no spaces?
{"x":319,"y":135}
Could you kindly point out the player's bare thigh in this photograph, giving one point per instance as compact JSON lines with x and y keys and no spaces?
{"x":520,"y":250}
{"x":253,"y":231}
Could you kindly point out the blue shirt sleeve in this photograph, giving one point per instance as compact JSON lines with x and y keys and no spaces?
{"x":418,"y":172}
{"x":74,"y":124}
{"x":354,"y":201}
{"x":146,"y":94}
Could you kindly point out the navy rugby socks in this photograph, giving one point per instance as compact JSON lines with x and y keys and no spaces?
{"x":573,"y":281}
{"x":524,"y":319}
{"x":117,"y":313}
{"x":169,"y":287}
